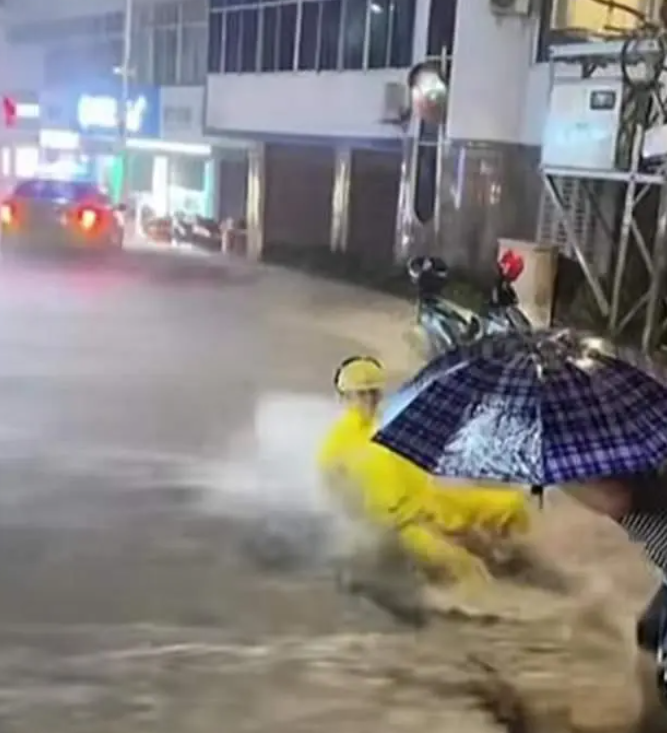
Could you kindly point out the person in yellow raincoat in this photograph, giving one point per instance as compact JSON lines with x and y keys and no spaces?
{"x":448,"y":529}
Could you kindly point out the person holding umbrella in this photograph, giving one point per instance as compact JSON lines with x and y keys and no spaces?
{"x":638,"y":504}
{"x":550,"y":408}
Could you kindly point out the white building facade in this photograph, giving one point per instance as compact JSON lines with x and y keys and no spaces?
{"x":289,"y":113}
{"x":321,"y":83}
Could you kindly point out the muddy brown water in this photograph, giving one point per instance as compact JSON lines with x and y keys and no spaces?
{"x":280,"y":649}
{"x":122,"y":608}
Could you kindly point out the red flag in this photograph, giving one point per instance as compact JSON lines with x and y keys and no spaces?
{"x":9,"y":111}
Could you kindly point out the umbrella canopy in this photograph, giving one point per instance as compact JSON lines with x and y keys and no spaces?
{"x":539,"y":409}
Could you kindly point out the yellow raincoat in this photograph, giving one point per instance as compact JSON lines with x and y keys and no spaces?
{"x":431,"y":518}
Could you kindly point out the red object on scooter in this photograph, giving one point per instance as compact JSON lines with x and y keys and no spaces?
{"x":511,"y":266}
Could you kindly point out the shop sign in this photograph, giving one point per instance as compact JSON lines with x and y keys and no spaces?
{"x":182,"y":112}
{"x":102,"y":113}
{"x":96,"y":110}
{"x":177,"y":117}
{"x":28,"y":111}
{"x":21,"y":110}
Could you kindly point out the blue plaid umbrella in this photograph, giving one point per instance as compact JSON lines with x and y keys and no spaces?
{"x":539,"y":409}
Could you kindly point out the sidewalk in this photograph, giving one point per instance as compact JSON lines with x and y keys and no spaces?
{"x":377,"y":323}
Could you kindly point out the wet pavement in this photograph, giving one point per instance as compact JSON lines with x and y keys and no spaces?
{"x":164,"y":546}
{"x":156,"y":437}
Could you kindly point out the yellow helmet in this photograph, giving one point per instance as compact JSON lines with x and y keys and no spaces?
{"x":360,"y":374}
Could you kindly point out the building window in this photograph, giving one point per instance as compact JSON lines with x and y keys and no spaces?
{"x":165,"y":47}
{"x":215,"y":30}
{"x":269,"y":36}
{"x":142,"y":56}
{"x":287,"y":32}
{"x":194,"y":11}
{"x":441,"y":27}
{"x":166,"y":14}
{"x":380,"y":24}
{"x":332,"y":18}
{"x":169,"y":43}
{"x":249,"y":39}
{"x":232,"y":42}
{"x":285,"y":35}
{"x":402,"y":33}
{"x":353,"y":31}
{"x":193,"y":54}
{"x":310,"y":38}
{"x":59,"y":30}
{"x":113,"y":23}
{"x":567,"y":21}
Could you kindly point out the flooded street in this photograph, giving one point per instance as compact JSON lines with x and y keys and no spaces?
{"x":165,"y":548}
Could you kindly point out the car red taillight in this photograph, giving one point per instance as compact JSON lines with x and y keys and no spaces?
{"x":88,"y":218}
{"x":7,"y":214}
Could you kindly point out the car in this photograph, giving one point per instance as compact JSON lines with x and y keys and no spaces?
{"x":49,"y":214}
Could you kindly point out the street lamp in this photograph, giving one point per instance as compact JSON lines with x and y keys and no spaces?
{"x":125,"y":72}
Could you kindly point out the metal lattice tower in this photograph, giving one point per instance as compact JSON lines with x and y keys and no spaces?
{"x":580,"y":207}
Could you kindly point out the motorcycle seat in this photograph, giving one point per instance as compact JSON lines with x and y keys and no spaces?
{"x":427,"y":268}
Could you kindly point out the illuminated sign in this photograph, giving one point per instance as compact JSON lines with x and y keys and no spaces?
{"x":101,"y":112}
{"x":28,"y":111}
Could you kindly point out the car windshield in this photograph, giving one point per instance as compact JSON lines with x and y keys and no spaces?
{"x":54,"y":190}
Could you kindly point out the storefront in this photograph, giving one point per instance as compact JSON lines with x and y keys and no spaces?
{"x":74,"y":133}
{"x":188,"y":166}
{"x":19,"y":142}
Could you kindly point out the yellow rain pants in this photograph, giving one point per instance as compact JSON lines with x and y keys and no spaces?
{"x":430,"y":517}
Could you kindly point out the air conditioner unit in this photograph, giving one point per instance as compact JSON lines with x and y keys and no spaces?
{"x":511,"y":7}
{"x":396,"y":102}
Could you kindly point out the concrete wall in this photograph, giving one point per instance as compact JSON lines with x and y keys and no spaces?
{"x":490,"y":74}
{"x":336,"y":104}
{"x":182,"y":113}
{"x":535,"y":104}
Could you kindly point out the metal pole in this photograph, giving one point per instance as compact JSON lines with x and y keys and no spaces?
{"x":125,"y":72}
{"x":656,"y":291}
{"x":403,"y":210}
{"x":624,"y":234}
{"x":439,"y":161}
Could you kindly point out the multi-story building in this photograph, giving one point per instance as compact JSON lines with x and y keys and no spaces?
{"x":64,"y":71}
{"x":291,"y":112}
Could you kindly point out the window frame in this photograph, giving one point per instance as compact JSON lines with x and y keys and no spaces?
{"x":366,"y":57}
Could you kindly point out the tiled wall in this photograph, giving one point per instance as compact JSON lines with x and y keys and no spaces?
{"x":374,"y":182}
{"x":298,"y":194}
{"x":488,"y":191}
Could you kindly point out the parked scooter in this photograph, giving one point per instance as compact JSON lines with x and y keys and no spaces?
{"x":158,"y":229}
{"x":198,"y":231}
{"x":441,"y":324}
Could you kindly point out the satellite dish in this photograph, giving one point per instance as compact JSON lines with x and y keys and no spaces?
{"x":428,"y":90}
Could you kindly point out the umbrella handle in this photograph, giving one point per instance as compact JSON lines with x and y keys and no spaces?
{"x":538,"y":491}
